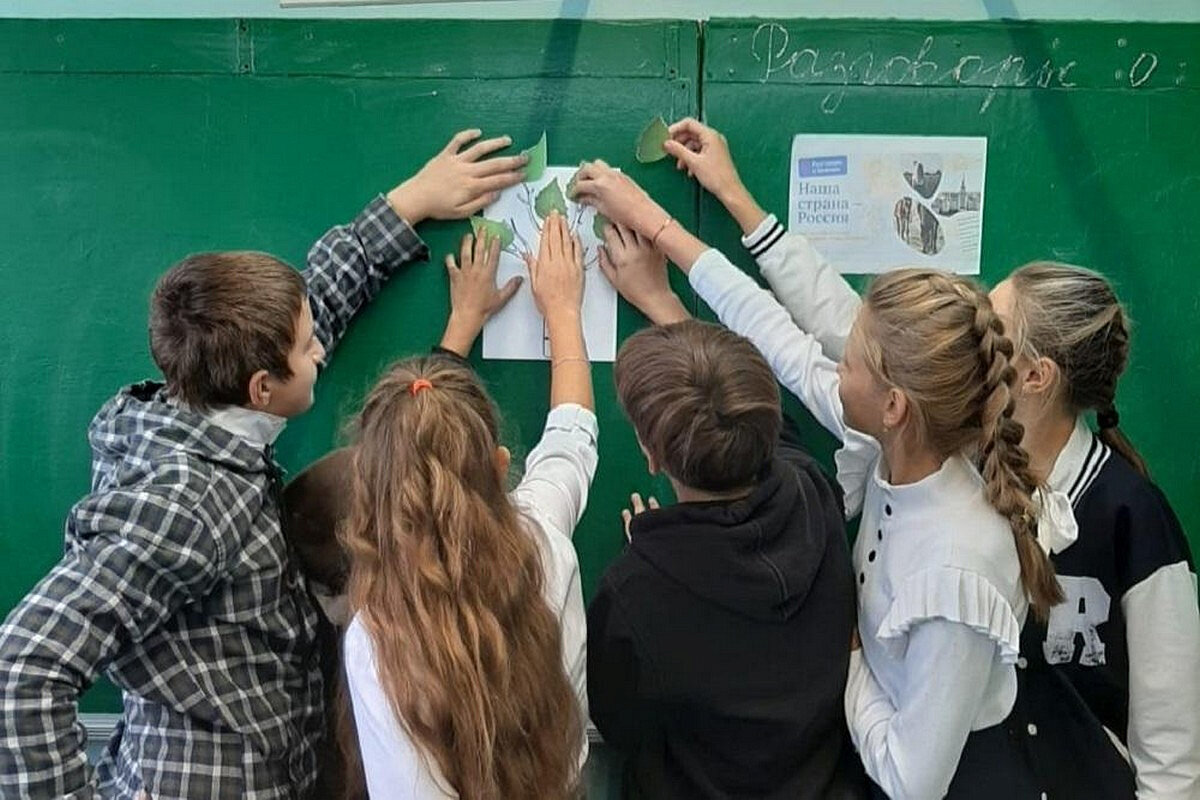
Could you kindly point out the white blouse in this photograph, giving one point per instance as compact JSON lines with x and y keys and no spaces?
{"x":940,"y":599}
{"x":821,"y":302}
{"x":552,"y":497}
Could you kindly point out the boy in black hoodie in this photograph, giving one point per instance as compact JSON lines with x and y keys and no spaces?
{"x":717,"y":644}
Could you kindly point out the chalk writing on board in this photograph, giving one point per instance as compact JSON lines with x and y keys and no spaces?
{"x":1142,"y":69}
{"x":771,"y":46}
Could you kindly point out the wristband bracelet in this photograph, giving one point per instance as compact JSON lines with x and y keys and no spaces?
{"x":567,"y":359}
{"x":659,"y":232}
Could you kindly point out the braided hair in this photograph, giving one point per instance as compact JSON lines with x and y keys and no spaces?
{"x":936,"y":337}
{"x":1072,"y":316}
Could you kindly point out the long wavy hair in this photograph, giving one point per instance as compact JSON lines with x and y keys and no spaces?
{"x":448,"y":581}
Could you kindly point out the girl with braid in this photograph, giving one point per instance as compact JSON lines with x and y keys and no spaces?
{"x":1109,"y":697}
{"x":1125,"y":644}
{"x":947,"y":559}
{"x":1128,"y":637}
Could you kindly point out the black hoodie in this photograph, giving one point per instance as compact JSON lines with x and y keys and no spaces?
{"x":718,"y":645}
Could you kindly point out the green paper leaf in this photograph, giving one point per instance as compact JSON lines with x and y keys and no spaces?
{"x":599,"y":223}
{"x":650,"y":143}
{"x":537,"y":159}
{"x":550,"y":198}
{"x":571,"y":188}
{"x":492,"y":230}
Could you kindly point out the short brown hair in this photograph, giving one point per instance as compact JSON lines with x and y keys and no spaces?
{"x":703,"y":401}
{"x":217,"y":318}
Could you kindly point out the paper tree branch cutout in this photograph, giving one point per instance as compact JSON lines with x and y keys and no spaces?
{"x":538,"y":207}
{"x":550,"y":198}
{"x":493,"y":230}
{"x":650,"y":143}
{"x":518,"y":331}
{"x":536,"y":166}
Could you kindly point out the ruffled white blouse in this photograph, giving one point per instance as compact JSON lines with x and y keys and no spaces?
{"x":940,"y":613}
{"x":941,"y":604}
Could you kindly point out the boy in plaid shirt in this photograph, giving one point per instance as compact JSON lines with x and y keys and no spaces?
{"x":177,"y":582}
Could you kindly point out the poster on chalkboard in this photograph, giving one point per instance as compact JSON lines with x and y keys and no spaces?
{"x":518,"y":332}
{"x":871,"y":204}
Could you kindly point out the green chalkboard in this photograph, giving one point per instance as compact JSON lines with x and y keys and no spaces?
{"x":1092,"y":159}
{"x":125,"y":145}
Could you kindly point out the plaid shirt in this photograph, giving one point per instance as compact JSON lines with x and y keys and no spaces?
{"x":177,"y":583}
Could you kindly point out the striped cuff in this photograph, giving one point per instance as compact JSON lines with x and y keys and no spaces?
{"x":764,"y":237}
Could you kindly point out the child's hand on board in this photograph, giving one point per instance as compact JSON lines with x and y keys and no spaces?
{"x":474,"y":297}
{"x":457,"y":183}
{"x":639,"y":273}
{"x":635,"y":501}
{"x":556,"y":274}
{"x":615,"y":195}
{"x":703,"y":152}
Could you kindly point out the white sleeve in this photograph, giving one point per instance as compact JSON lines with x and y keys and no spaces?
{"x":817,"y":297}
{"x":553,"y":495}
{"x":912,"y":749}
{"x":794,"y":355}
{"x":1163,"y":634}
{"x":795,"y":358}
{"x":559,"y":470}
{"x":395,"y":767}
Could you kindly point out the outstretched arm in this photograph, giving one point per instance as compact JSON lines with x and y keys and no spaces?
{"x":794,"y":355}
{"x":817,"y":297}
{"x":348,"y":266}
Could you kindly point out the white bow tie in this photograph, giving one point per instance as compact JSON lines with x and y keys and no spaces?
{"x":1057,"y":528}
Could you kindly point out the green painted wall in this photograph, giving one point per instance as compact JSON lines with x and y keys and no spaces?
{"x":125,"y":145}
{"x":1092,"y":159}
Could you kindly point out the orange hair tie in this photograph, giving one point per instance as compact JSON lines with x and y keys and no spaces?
{"x":419,"y":384}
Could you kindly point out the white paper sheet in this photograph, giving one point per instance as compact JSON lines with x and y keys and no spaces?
{"x":518,"y":331}
{"x":872,"y":204}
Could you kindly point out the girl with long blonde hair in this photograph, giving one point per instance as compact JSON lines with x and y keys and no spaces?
{"x":465,"y":654}
{"x":946,"y":559}
{"x":1116,"y":662}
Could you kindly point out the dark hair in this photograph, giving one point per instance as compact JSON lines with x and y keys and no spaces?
{"x":703,"y":401}
{"x":1071,"y":316}
{"x":218,"y":318}
{"x":315,"y":503}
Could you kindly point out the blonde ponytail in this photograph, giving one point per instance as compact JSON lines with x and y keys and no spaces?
{"x":1072,"y":316}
